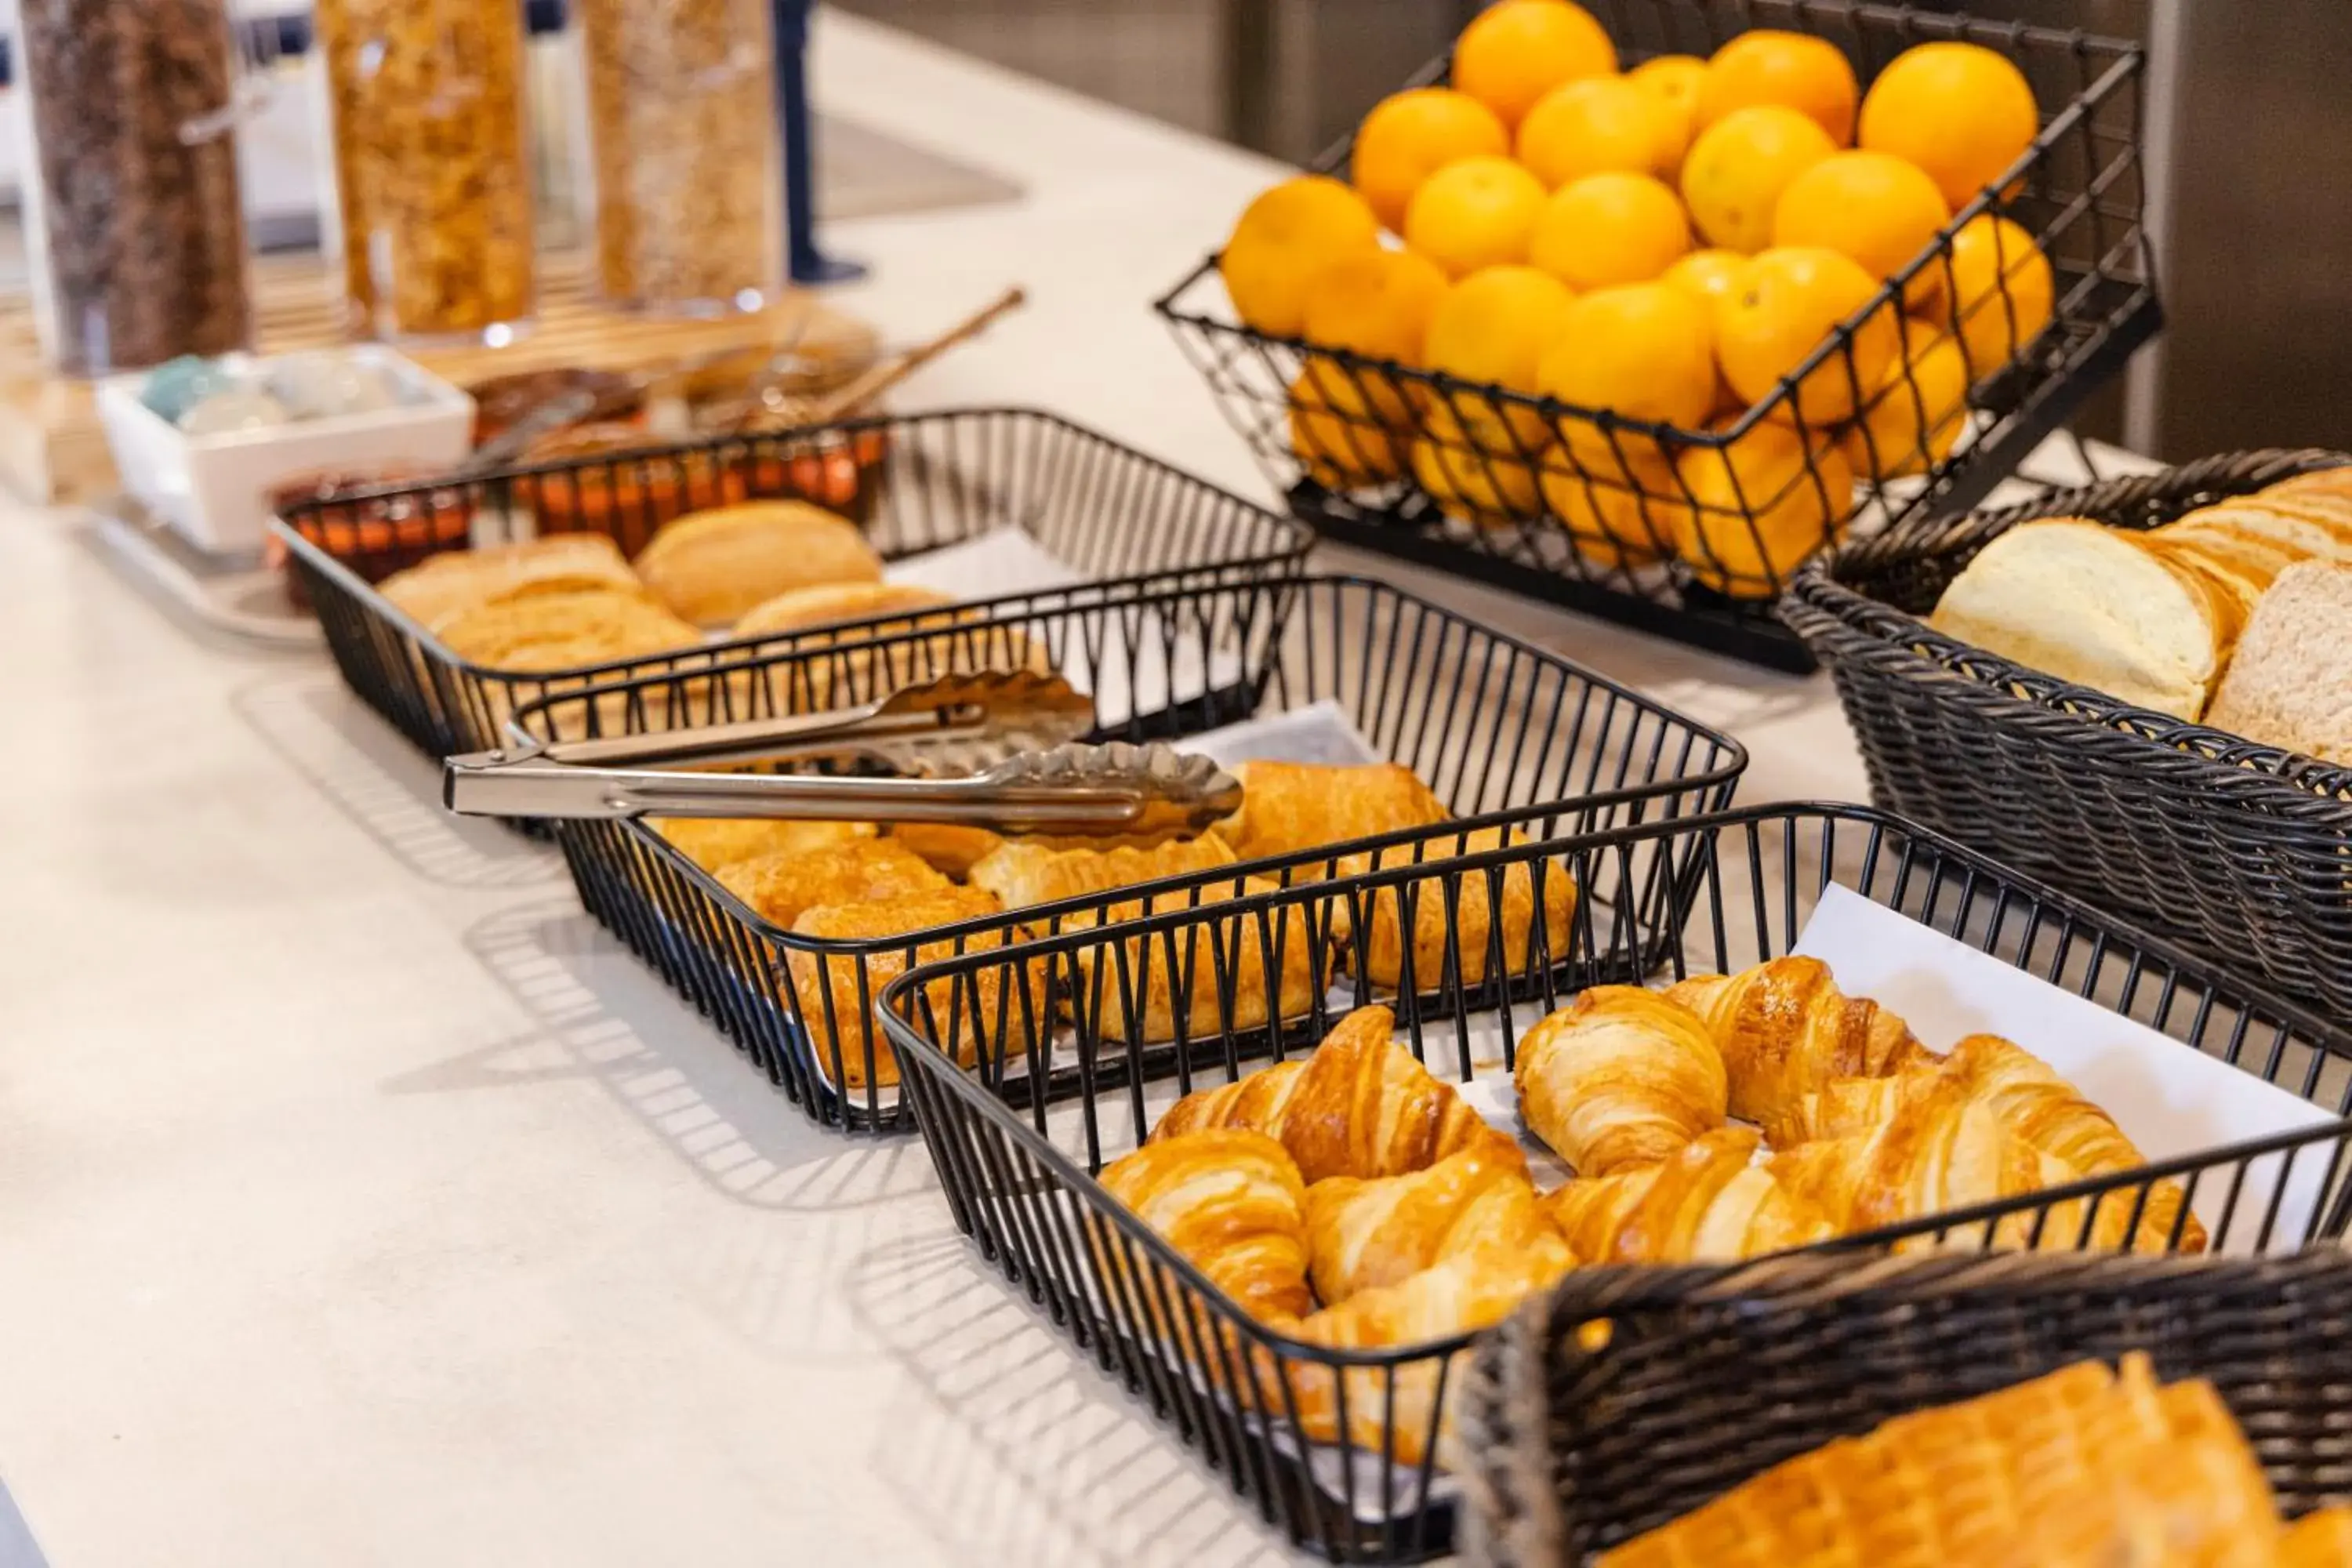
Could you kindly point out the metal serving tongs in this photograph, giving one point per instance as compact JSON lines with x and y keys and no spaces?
{"x":991,"y":750}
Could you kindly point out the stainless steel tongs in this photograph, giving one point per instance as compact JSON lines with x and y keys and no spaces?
{"x":991,"y":750}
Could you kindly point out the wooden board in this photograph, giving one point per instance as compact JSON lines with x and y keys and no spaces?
{"x":52,"y":450}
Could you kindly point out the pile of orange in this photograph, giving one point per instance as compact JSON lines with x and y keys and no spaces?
{"x":1670,"y":244}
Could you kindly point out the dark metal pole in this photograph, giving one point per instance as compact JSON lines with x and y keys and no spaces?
{"x":796,"y":125}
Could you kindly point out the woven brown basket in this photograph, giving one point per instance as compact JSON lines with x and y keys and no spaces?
{"x":1712,"y":1376}
{"x":2239,"y":851}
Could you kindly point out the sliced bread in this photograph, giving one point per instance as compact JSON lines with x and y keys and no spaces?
{"x":2099,"y":607}
{"x":2290,"y":685}
{"x":2307,"y":525}
{"x":2336,"y":481}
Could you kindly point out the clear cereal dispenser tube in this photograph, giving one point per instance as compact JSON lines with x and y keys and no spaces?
{"x":683,"y":141}
{"x":431,"y":166}
{"x":135,"y":228}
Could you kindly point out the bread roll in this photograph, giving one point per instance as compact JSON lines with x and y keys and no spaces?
{"x":831,"y":604}
{"x":440,"y":588}
{"x":714,"y":566}
{"x":2098,"y":607}
{"x":2290,"y":685}
{"x":539,"y":632}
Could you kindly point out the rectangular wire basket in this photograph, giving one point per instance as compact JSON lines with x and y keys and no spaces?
{"x":913,"y":483}
{"x":1598,"y":511}
{"x":1712,"y":1376}
{"x":1018,"y":1167}
{"x":2238,"y":852}
{"x":1508,"y":735}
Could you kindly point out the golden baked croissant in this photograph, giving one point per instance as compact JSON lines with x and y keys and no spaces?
{"x":1619,"y":1078}
{"x":715,"y":843}
{"x":1470,"y":1291}
{"x":1362,"y":1234}
{"x":1941,"y":1150}
{"x":2037,"y":1105}
{"x":2081,"y":1469}
{"x":1231,"y":1202}
{"x":973,"y":1008}
{"x":1710,"y":1202}
{"x":948,"y":846}
{"x":782,"y":884}
{"x":2322,"y":1540}
{"x":1290,"y":808}
{"x":1024,"y":874}
{"x":1247,"y":954}
{"x":1359,"y":1105}
{"x":1461,"y":929}
{"x":1785,"y":1030}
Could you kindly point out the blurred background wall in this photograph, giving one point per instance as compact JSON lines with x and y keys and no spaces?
{"x":2250,"y":159}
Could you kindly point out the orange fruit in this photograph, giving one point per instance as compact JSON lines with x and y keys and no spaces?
{"x":1737,"y":168}
{"x":1960,"y":111}
{"x":2000,"y":291}
{"x":1794,"y":71}
{"x":1619,"y":513}
{"x":1492,"y":329}
{"x":1283,"y":238}
{"x":1784,"y":310}
{"x":1598,"y":124}
{"x":1610,"y":229}
{"x":1674,"y":80}
{"x":1513,"y":54}
{"x":1707,"y":276}
{"x":1912,"y":420}
{"x":1757,"y":508}
{"x":1413,"y":134}
{"x":1643,"y":350}
{"x":1478,"y":212}
{"x":1334,"y":432}
{"x":1873,"y":208}
{"x":1478,"y":479}
{"x":1377,"y":303}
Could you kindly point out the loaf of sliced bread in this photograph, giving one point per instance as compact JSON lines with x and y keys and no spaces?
{"x":2290,"y":684}
{"x":2100,"y":608}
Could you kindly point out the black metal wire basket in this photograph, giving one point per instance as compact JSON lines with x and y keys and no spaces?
{"x":1686,"y":897}
{"x":1507,"y":735}
{"x":914,"y":483}
{"x":1712,"y":1376}
{"x":1691,"y":532}
{"x":2238,"y":851}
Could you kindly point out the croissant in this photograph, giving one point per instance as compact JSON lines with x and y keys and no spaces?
{"x":1269,"y":962}
{"x":948,"y":846}
{"x":715,"y":843}
{"x":1455,"y":937}
{"x":1024,"y":874}
{"x":1785,"y":1030}
{"x":1619,"y":1078}
{"x":2322,"y":1540}
{"x":2081,"y":1469}
{"x":1290,"y":808}
{"x":1940,"y":1151}
{"x":782,"y":884}
{"x":826,"y":993}
{"x":1709,"y":1203}
{"x":1359,"y":1105}
{"x":1231,"y":1202}
{"x":1399,"y":1415}
{"x":2037,"y":1105}
{"x":1363,"y":1234}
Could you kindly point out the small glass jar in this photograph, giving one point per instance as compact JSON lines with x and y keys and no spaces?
{"x":682,"y":128}
{"x":135,"y":222}
{"x":431,"y":165}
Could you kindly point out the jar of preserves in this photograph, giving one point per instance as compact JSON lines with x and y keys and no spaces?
{"x":682,"y":129}
{"x":133,"y":217}
{"x":431,"y":165}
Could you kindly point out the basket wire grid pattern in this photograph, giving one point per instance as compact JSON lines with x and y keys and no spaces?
{"x":913,"y":482}
{"x":1505,"y":732}
{"x":1589,"y":509}
{"x":1018,"y":1171}
{"x":1579,"y":1450}
{"x":2236,"y":850}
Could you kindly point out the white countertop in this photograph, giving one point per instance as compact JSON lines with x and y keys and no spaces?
{"x":362,"y":1202}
